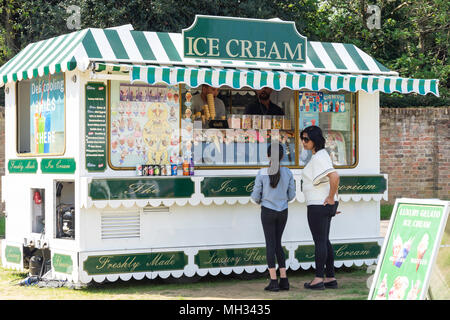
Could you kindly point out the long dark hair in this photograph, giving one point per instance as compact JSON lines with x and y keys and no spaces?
{"x":275,"y":178}
{"x":316,"y":136}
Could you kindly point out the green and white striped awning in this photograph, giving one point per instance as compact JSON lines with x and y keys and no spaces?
{"x":329,"y":63}
{"x":256,"y":79}
{"x":45,"y":57}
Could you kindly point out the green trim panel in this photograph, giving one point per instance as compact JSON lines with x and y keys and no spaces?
{"x":22,"y":166}
{"x":141,"y":188}
{"x":62,"y":263}
{"x":234,"y":257}
{"x":342,"y":251}
{"x":138,"y":262}
{"x":13,"y":254}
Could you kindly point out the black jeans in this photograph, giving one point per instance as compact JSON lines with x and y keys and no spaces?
{"x":319,"y":220}
{"x":273,"y":223}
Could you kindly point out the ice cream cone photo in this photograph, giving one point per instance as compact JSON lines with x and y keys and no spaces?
{"x":396,"y":249}
{"x":421,"y":249}
{"x":382,"y":290}
{"x":398,"y":289}
{"x":414,"y":292}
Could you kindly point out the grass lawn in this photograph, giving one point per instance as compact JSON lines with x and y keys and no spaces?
{"x":352,"y":282}
{"x":2,"y":227}
{"x":352,"y":286}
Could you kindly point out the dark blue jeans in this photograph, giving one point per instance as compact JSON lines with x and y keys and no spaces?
{"x":319,"y":221}
{"x":273,"y":223}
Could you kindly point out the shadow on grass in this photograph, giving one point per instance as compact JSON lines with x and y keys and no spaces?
{"x":354,"y":276}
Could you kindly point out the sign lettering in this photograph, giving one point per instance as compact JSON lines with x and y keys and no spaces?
{"x":244,"y":39}
{"x":58,"y":165}
{"x":22,"y":165}
{"x":141,"y":188}
{"x":141,"y":262}
{"x":342,"y":251}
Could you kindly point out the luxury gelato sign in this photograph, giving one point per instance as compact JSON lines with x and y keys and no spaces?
{"x":409,"y":250}
{"x":229,"y":38}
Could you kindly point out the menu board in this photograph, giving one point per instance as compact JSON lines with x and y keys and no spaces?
{"x":311,"y":101}
{"x":409,"y":250}
{"x":95,"y":126}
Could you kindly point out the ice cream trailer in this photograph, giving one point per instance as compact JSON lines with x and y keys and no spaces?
{"x":113,"y":174}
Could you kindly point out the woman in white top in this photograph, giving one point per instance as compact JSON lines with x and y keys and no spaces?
{"x":320,"y":183}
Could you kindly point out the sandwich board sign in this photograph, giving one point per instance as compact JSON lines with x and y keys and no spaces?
{"x":409,"y":249}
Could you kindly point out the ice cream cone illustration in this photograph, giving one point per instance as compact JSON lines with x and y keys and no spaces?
{"x":421,"y":249}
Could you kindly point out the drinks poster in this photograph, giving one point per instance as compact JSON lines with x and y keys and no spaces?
{"x":412,"y":242}
{"x":144,"y":124}
{"x":47,"y":114}
{"x":334,"y":103}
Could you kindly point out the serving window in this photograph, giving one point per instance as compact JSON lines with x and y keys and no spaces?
{"x":237,"y":136}
{"x":160,"y":124}
{"x":41,"y":116}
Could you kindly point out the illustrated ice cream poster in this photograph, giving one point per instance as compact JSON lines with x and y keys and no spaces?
{"x":47,"y":114}
{"x":409,"y":250}
{"x":144,"y":124}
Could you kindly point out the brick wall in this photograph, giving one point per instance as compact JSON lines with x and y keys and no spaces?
{"x":415,"y":152}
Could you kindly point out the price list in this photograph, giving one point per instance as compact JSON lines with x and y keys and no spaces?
{"x":96,"y":127}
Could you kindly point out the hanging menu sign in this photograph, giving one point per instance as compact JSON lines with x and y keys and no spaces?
{"x":95,"y":126}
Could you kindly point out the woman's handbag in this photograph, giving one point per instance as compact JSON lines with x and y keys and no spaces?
{"x":333,"y":209}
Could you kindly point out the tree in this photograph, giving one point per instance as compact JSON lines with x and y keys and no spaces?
{"x":413,"y":39}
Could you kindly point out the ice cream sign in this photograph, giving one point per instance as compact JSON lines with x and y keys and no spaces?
{"x":47,"y":114}
{"x":229,"y":38}
{"x":409,"y":250}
